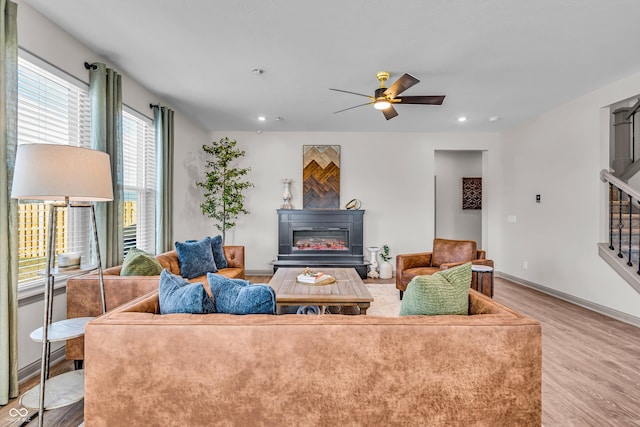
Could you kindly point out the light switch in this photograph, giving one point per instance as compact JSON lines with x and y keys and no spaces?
{"x":512,"y":219}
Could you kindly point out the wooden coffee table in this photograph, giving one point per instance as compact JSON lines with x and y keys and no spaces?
{"x":348,"y":289}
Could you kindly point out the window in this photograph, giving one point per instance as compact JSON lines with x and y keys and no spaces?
{"x":52,"y":108}
{"x":139,"y":182}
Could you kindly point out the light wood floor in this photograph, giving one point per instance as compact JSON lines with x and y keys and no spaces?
{"x":69,"y":416}
{"x":591,"y":372}
{"x":590,"y":362}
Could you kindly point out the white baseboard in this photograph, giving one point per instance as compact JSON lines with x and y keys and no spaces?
{"x":610,"y":312}
{"x":33,"y":368}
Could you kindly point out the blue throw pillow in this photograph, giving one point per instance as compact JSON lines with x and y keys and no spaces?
{"x":196,"y":258}
{"x":237,"y":296}
{"x":176,"y":295}
{"x":218,"y":252}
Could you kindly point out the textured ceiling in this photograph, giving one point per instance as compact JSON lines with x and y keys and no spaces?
{"x":513,"y":59}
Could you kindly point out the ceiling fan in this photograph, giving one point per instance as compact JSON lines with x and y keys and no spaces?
{"x":384,"y":97}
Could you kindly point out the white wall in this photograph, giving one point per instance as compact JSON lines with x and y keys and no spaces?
{"x":40,"y":37}
{"x":453,"y":222}
{"x":391,"y":173}
{"x":559,"y":155}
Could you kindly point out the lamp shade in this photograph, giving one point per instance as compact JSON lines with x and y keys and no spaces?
{"x":56,"y":172}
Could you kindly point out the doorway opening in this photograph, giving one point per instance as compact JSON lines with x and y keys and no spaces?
{"x":457,"y":215}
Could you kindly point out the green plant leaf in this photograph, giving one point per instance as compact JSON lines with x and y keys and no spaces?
{"x":224,"y":184}
{"x":385,"y":253}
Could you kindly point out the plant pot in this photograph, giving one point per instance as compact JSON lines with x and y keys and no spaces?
{"x":386,"y":270}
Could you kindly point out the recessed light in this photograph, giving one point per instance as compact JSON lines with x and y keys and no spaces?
{"x":494,"y":118}
{"x":279,"y":119}
{"x":462,"y":119}
{"x":257,"y":71}
{"x":262,"y":118}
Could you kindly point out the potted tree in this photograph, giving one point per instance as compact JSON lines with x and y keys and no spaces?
{"x":224,"y":184}
{"x":386,"y":270}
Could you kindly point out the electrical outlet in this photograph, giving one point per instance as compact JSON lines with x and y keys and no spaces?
{"x":525,"y":265}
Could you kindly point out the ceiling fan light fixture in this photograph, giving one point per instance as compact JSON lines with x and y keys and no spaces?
{"x":381,"y":104}
{"x":384,"y":98}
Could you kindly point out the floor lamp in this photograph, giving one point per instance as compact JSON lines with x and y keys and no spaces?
{"x":68,"y":177}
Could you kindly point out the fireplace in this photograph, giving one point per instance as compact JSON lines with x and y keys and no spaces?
{"x":310,"y":239}
{"x":321,"y":238}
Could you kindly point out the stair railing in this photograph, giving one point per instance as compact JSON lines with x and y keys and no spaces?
{"x":621,"y":195}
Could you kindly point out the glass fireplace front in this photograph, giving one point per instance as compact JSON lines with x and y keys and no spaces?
{"x":321,"y":240}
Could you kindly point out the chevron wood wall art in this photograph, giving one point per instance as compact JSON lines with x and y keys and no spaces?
{"x":321,"y":177}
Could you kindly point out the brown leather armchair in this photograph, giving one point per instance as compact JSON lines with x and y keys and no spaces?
{"x":445,"y":254}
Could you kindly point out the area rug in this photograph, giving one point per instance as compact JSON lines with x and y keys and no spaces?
{"x":386,"y":300}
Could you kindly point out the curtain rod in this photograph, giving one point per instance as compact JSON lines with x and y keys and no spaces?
{"x":152,"y":106}
{"x":90,"y":66}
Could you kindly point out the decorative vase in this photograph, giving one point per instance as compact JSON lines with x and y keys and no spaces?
{"x":373,"y":250}
{"x":286,"y":196}
{"x":386,"y":270}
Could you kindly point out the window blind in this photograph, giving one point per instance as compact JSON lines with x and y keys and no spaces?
{"x":54,"y":109}
{"x":139,"y":182}
{"x":51,"y":110}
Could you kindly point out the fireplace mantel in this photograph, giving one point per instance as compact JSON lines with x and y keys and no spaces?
{"x":321,"y":238}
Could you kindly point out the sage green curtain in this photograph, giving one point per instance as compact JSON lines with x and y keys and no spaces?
{"x":8,"y":206}
{"x":163,"y":119}
{"x":105,"y":96}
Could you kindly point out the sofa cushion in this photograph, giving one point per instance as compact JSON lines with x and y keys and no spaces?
{"x":218,"y":252}
{"x":176,"y":295}
{"x":409,"y":274}
{"x":444,"y":292}
{"x":140,"y":263}
{"x":237,"y":296}
{"x":196,"y":258}
{"x":445,"y":250}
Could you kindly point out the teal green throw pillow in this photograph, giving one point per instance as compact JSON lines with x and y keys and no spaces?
{"x":140,"y":263}
{"x":444,"y":292}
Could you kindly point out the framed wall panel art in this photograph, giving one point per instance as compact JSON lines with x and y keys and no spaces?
{"x":471,"y":193}
{"x":321,"y":177}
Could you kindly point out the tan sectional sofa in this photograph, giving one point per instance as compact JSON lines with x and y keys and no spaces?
{"x":83,"y":292}
{"x":143,"y":368}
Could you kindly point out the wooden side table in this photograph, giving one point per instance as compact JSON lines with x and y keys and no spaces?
{"x":480,"y":271}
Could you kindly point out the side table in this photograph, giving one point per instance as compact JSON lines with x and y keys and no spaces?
{"x":480,"y":271}
{"x":67,"y":388}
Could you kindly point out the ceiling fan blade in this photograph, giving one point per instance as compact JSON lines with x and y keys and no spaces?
{"x":426,"y":100}
{"x":400,"y":85}
{"x":389,"y":113}
{"x":353,"y":93}
{"x":351,"y":108}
